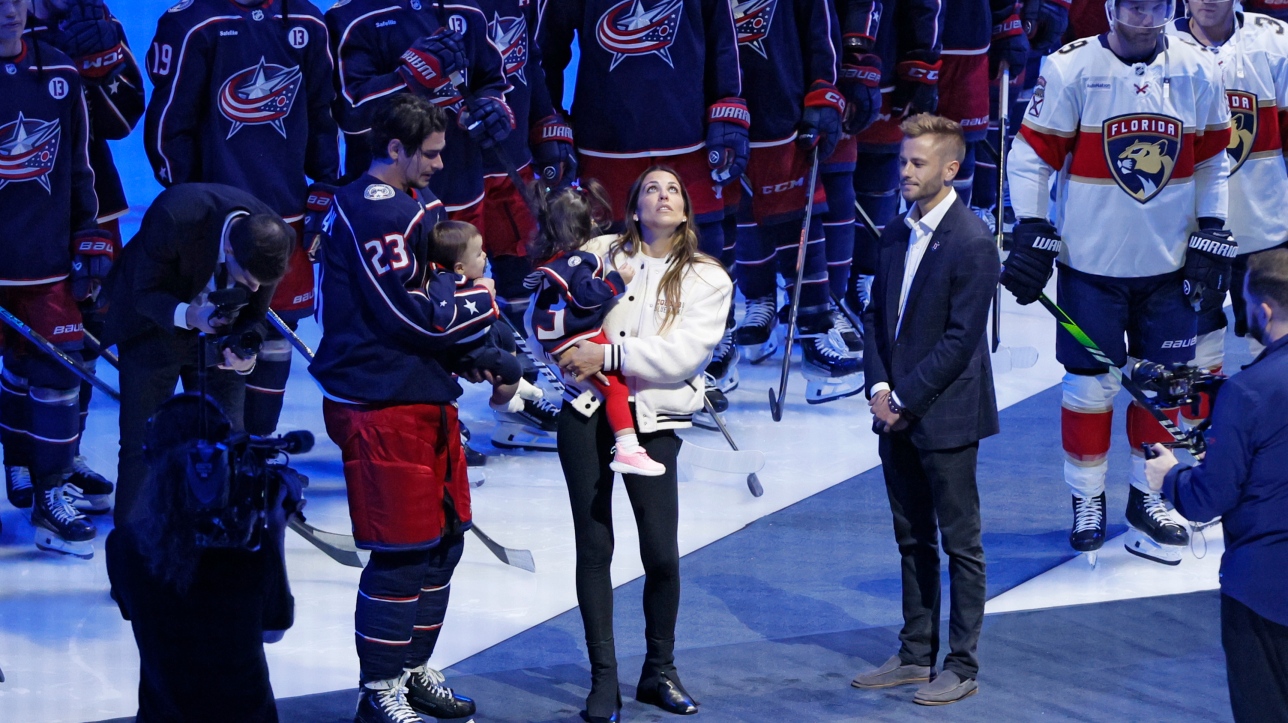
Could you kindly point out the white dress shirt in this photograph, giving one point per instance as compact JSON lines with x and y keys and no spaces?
{"x":181,"y":311}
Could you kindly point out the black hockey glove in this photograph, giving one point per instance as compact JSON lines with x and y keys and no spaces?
{"x":821,"y":121}
{"x":1209,"y":261}
{"x":1032,"y":260}
{"x":318,"y":218}
{"x":916,"y":89}
{"x":92,"y":40}
{"x":92,"y":254}
{"x":1010,"y":46}
{"x":728,"y":142}
{"x":429,"y":63}
{"x":553,"y":153}
{"x":860,"y":83}
{"x":1047,"y":34}
{"x":489,"y":120}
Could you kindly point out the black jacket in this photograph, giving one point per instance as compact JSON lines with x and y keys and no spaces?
{"x":171,"y":259}
{"x":939,"y":364}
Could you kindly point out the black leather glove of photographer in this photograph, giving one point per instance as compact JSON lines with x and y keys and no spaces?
{"x":1032,"y":260}
{"x":1209,"y":260}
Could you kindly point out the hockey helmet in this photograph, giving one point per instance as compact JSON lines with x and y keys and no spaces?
{"x":1140,"y":14}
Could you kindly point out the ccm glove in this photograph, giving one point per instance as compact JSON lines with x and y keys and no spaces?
{"x":1047,"y":33}
{"x":860,"y":83}
{"x":1010,"y":44}
{"x":728,"y":142}
{"x":92,"y":254}
{"x":318,"y":218}
{"x":1209,"y":261}
{"x":93,"y":40}
{"x":489,"y":120}
{"x":429,"y":63}
{"x":1032,"y":260}
{"x":552,"y":151}
{"x":916,"y":88}
{"x":821,"y":122}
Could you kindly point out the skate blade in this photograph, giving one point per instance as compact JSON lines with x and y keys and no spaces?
{"x":729,"y":381}
{"x":50,"y":542}
{"x":511,"y":435}
{"x":1143,"y":546}
{"x":705,"y":421}
{"x":476,"y":477}
{"x":759,"y":352}
{"x":820,"y":388}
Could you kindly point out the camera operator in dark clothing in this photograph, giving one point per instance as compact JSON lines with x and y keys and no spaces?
{"x":206,"y":259}
{"x":1243,"y":479}
{"x":199,"y":572}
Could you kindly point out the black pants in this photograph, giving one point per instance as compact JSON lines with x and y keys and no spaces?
{"x":931,"y":489}
{"x":584,"y":452}
{"x":1256,"y":663}
{"x":150,"y":366}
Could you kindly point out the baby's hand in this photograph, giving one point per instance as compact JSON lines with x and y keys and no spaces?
{"x":627,"y":270}
{"x":487,"y":283}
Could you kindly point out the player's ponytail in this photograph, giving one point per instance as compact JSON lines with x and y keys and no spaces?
{"x":568,"y":218}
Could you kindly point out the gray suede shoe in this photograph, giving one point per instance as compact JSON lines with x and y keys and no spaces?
{"x":891,"y":673}
{"x":947,"y":687}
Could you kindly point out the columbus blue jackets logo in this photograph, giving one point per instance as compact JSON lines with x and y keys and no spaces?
{"x":262,"y":94}
{"x":1243,"y":127}
{"x":1141,"y":150}
{"x":510,"y":38}
{"x":752,"y":20}
{"x":28,"y":150}
{"x":631,"y":29}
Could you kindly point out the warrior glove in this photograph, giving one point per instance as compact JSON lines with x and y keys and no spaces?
{"x":916,"y":88}
{"x":821,"y":121}
{"x":429,"y":63}
{"x":92,"y":40}
{"x":318,"y":218}
{"x":1209,"y":261}
{"x":552,"y":151}
{"x":489,"y":120}
{"x":92,"y":254}
{"x":1032,"y":260}
{"x":728,"y":142}
{"x":860,"y":83}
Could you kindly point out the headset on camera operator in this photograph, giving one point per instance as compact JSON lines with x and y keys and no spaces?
{"x":199,"y":572}
{"x":206,"y":259}
{"x":1243,"y":479}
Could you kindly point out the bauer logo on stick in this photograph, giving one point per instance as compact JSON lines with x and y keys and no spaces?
{"x":1243,"y":127}
{"x":261,"y":94}
{"x":1141,"y":150}
{"x":629,"y":28}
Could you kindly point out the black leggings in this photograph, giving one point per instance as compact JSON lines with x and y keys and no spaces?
{"x":585,"y":446}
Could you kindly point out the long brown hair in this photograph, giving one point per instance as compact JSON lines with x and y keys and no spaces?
{"x":684,"y":244}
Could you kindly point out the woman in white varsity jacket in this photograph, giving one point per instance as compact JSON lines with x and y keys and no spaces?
{"x":664,"y":328}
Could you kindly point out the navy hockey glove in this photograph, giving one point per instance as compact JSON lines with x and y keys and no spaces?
{"x":1032,"y":260}
{"x":821,"y":122}
{"x":489,"y":120}
{"x":728,"y":142}
{"x":1047,"y":34}
{"x":1209,"y":261}
{"x":1010,"y":45}
{"x":429,"y":62}
{"x":916,"y":89}
{"x":92,"y":254}
{"x":553,"y":152}
{"x":92,"y":40}
{"x":318,"y":218}
{"x":860,"y":83}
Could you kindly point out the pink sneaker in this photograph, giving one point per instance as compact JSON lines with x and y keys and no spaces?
{"x":636,"y":461}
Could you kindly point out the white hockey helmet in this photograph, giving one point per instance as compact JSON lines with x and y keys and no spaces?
{"x":1140,"y":14}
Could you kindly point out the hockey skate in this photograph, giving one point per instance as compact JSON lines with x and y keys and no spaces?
{"x":845,"y":335}
{"x":17,"y":485}
{"x":1154,"y":534}
{"x":830,"y":373}
{"x":756,"y":332}
{"x":722,"y":372}
{"x":96,"y":491}
{"x":60,"y":527}
{"x":386,"y":706}
{"x":1088,"y":533}
{"x":986,"y":215}
{"x":532,"y":428}
{"x":718,"y":401}
{"x":427,"y":693}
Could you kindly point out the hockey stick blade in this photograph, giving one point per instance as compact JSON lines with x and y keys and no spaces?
{"x":732,"y":461}
{"x":335,"y":546}
{"x":521,"y":559}
{"x":753,"y":482}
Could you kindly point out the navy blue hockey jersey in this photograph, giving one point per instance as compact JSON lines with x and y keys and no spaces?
{"x":572,"y":294}
{"x":368,"y":37}
{"x":648,"y":69}
{"x":115,"y":106}
{"x":904,"y":30}
{"x":46,"y":185}
{"x":784,"y":46}
{"x":385,"y":313}
{"x":512,"y":30}
{"x":243,"y":97}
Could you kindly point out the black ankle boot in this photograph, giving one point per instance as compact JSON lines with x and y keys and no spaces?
{"x":604,"y":704}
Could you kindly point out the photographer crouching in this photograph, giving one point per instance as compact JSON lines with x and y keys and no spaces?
{"x":206,"y":259}
{"x":1243,"y":479}
{"x":199,"y":572}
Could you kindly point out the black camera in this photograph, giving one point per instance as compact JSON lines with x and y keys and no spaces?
{"x":244,"y":345}
{"x":1179,"y":386}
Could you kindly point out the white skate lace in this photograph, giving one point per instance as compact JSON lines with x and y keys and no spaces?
{"x":19,"y":478}
{"x":393,"y":703}
{"x":725,"y":347}
{"x":1157,"y":509}
{"x":58,"y":501}
{"x":760,"y":312}
{"x":823,"y":344}
{"x":841,"y":322}
{"x":1088,"y":511}
{"x":433,"y":681}
{"x":544,"y":406}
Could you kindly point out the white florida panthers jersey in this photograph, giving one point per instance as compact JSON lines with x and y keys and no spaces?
{"x":1140,"y":152}
{"x":1254,"y":65}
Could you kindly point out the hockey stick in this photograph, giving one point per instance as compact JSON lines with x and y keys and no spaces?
{"x":1003,"y":100}
{"x":334,"y":545}
{"x":103,"y":351}
{"x":776,"y":399}
{"x":753,"y":482}
{"x":59,"y":355}
{"x":541,"y":366}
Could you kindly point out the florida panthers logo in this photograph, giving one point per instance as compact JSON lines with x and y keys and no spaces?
{"x":261,"y":94}
{"x":510,"y":38}
{"x":1243,"y":127}
{"x":630,"y":29}
{"x":28,"y":149}
{"x":751,"y":20}
{"x":1141,"y":150}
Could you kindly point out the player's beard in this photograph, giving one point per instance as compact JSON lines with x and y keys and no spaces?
{"x":1256,"y":326}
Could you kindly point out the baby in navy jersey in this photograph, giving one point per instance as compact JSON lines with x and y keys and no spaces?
{"x":574,"y":290}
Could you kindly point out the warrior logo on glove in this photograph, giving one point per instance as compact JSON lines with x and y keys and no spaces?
{"x":752,"y":20}
{"x":1141,"y":150}
{"x":629,"y":28}
{"x":1243,"y":127}
{"x":28,"y":149}
{"x":510,"y":38}
{"x":261,"y":94}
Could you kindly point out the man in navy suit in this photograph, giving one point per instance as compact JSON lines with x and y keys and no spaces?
{"x":930,"y":387}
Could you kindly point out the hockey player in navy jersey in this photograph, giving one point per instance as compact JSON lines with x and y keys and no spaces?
{"x":387,"y":316}
{"x":243,"y":97}
{"x":113,"y":83}
{"x":54,"y":257}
